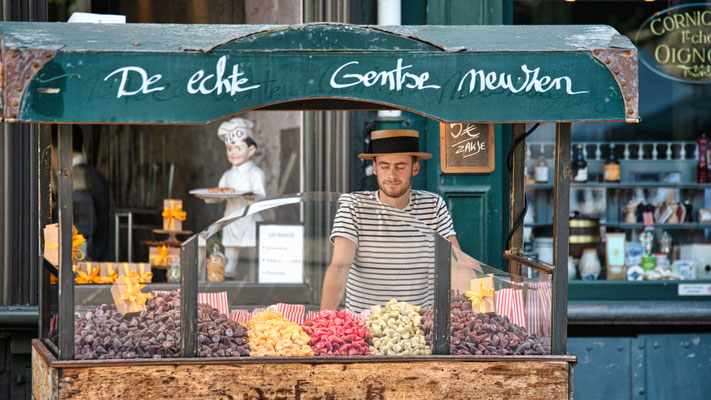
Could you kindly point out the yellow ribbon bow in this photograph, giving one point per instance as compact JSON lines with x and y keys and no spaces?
{"x":87,"y":278}
{"x":162,"y":257}
{"x":478,"y":298}
{"x":77,"y":240}
{"x":133,"y":293}
{"x":171,"y":214}
{"x":112,"y":276}
{"x":144,"y":277}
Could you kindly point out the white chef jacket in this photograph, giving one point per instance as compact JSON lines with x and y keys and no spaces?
{"x":243,"y":178}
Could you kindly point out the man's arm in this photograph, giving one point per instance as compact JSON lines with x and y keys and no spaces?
{"x":334,"y":283}
{"x":461,"y":259}
{"x":455,"y":243}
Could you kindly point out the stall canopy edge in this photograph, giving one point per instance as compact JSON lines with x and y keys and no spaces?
{"x":194,"y":74}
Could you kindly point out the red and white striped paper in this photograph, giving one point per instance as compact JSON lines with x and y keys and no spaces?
{"x":292,"y":312}
{"x":538,"y":308}
{"x":240,"y":316}
{"x":54,"y":323}
{"x":509,"y":303}
{"x":216,"y":300}
{"x":312,"y":315}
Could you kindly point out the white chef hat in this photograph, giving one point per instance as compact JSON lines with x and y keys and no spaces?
{"x":234,"y":130}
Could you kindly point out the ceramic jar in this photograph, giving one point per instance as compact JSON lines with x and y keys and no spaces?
{"x":589,"y":265}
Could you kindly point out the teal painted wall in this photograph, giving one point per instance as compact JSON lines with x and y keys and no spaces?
{"x":478,"y":202}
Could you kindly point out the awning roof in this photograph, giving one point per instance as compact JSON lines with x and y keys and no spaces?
{"x":151,"y":73}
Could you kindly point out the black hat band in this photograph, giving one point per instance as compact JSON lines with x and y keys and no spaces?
{"x":399,"y":144}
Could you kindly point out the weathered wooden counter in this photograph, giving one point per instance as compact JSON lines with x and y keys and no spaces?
{"x":325,"y":378}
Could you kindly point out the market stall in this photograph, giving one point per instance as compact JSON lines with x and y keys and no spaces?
{"x":465,"y":76}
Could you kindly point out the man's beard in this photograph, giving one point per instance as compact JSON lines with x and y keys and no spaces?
{"x":396,"y":192}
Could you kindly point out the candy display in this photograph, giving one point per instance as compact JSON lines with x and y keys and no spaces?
{"x":270,"y":334}
{"x":337,"y":333}
{"x":396,"y":330}
{"x":104,"y":333}
{"x":474,"y":333}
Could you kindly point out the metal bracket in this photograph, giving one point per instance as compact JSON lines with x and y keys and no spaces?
{"x":623,"y":67}
{"x":17,"y":70}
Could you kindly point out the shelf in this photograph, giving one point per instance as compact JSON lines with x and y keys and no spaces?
{"x":603,"y":290}
{"x":622,"y":225}
{"x":626,"y":185}
{"x":686,"y":226}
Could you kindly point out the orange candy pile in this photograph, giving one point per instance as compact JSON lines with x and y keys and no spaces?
{"x":270,"y":334}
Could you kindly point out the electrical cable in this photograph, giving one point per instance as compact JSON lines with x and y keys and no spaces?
{"x":509,"y":164}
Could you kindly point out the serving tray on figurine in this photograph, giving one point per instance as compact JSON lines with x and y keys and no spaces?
{"x":218,"y":193}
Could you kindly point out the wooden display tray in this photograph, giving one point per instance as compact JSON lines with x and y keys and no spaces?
{"x":325,"y":378}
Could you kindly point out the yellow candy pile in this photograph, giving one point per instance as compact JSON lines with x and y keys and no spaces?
{"x":270,"y":334}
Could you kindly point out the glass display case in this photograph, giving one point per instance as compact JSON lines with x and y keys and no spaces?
{"x":423,"y":287}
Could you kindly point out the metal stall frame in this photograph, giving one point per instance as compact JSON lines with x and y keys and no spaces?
{"x":60,"y":73}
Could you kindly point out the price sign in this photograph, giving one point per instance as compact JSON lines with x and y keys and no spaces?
{"x":280,"y":251}
{"x":466,"y":147}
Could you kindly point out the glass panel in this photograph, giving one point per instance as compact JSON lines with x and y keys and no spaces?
{"x":371,"y":306}
{"x":495,"y":312}
{"x":118,"y":317}
{"x":381,"y":304}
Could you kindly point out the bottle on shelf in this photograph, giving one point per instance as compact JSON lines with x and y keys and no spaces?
{"x":612,"y":168}
{"x":702,"y":165}
{"x":580,"y":166}
{"x":647,"y":240}
{"x":540,"y":168}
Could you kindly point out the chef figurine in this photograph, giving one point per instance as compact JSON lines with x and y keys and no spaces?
{"x":244,"y":177}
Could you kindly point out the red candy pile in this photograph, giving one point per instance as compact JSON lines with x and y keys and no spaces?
{"x":337,"y":333}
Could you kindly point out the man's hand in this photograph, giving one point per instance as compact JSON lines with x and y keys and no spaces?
{"x":334,"y":283}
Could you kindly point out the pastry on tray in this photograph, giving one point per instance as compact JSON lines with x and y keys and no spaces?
{"x":221,"y":190}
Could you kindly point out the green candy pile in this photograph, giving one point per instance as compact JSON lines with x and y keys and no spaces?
{"x":396,"y":330}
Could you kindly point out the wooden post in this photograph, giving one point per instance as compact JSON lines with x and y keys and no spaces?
{"x":188,"y":297}
{"x":66,"y":275}
{"x":561,"y":211}
{"x":518,"y":191}
{"x":44,"y":171}
{"x":443,"y":287}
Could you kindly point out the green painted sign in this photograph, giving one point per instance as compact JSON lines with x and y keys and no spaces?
{"x":197,"y":88}
{"x":204,"y":75}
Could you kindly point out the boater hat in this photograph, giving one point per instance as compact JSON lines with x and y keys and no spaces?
{"x":394,"y":141}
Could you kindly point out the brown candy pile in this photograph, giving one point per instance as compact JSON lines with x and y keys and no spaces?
{"x":103,"y":333}
{"x":474,"y":333}
{"x":219,"y":336}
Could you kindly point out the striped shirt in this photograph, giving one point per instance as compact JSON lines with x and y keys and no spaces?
{"x":394,"y":248}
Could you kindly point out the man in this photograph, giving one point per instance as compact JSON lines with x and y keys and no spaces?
{"x":383,"y":240}
{"x":93,"y":205}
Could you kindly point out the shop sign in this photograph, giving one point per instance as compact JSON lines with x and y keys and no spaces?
{"x":198,"y":88}
{"x":678,"y":40}
{"x":280,"y":251}
{"x":466,"y":147}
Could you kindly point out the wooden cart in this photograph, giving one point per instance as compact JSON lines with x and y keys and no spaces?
{"x":59,"y":73}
